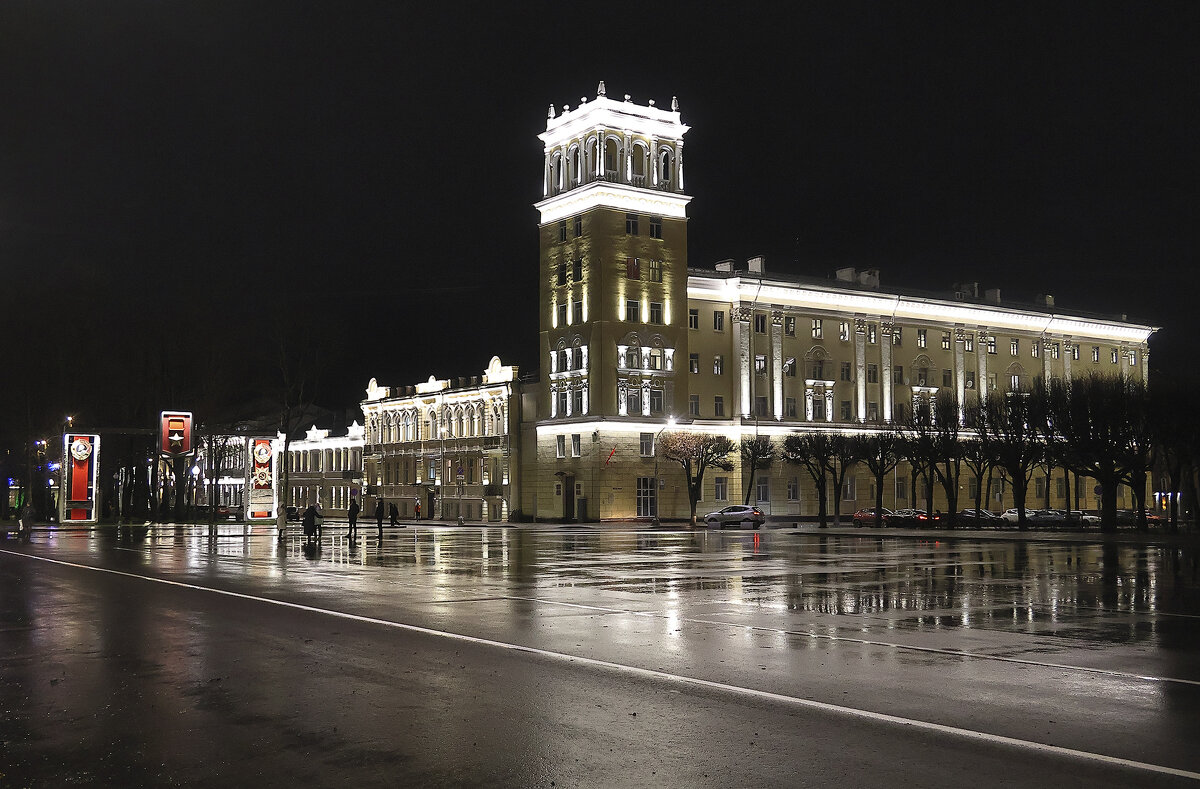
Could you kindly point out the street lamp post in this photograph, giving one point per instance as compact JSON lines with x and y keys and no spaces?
{"x":657,"y":485}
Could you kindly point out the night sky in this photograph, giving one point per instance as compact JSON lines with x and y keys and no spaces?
{"x":176,"y":176}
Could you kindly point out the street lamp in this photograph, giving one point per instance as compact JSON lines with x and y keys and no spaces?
{"x":670,"y":423}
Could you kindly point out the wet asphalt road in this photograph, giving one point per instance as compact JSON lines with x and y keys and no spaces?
{"x":597,"y":657}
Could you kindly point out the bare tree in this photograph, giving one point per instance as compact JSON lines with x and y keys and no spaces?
{"x":880,"y":453}
{"x":758,"y":452}
{"x":696,"y":452}
{"x":827,"y":457}
{"x":1012,"y":439}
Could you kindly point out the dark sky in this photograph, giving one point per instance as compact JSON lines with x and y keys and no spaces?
{"x":174,"y":173}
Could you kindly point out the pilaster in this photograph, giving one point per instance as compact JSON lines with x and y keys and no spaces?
{"x":860,"y":366}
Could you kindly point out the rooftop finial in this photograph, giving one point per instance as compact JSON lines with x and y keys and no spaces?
{"x":600,"y":88}
{"x":628,"y":97}
{"x":674,"y":104}
{"x":550,"y":114}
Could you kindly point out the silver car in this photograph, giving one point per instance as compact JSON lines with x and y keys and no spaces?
{"x":735,"y":515}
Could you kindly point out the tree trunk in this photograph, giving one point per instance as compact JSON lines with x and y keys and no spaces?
{"x":823,"y":504}
{"x":879,"y":498}
{"x":1020,"y":487}
{"x":1138,"y":486}
{"x":1108,"y":507}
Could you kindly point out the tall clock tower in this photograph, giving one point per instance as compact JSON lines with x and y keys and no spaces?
{"x":612,"y":280}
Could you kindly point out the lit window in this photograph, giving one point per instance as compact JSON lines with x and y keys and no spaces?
{"x":789,"y":326}
{"x":631,"y":224}
{"x":693,"y":319}
{"x":647,"y":444}
{"x":655,"y":227}
{"x":1114,"y":356}
{"x":561,"y":446}
{"x":897,"y":334}
{"x":760,"y":364}
{"x":991,"y":344}
{"x":718,"y":406}
{"x":1035,"y":349}
{"x":719,"y":320}
{"x":872,"y":333}
{"x":633,"y":268}
{"x":718,"y":365}
{"x":693,"y":362}
{"x":1054,"y":350}
{"x":1133,"y":358}
{"x":922,"y":338}
{"x":1096,"y":353}
{"x":656,"y":358}
{"x":1014,"y":346}
{"x":694,"y":405}
{"x":969,"y":343}
{"x":575,"y":445}
{"x":1014,"y":382}
{"x":1074,"y":351}
{"x":816,"y":328}
{"x":656,"y":312}
{"x":945,"y":341}
{"x":721,"y":488}
{"x":655,"y":270}
{"x":844,"y":331}
{"x":789,"y":367}
{"x":631,"y":311}
{"x":760,"y":324}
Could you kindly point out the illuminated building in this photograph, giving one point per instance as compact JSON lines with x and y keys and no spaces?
{"x":449,"y":445}
{"x":324,"y":468}
{"x":631,"y":338}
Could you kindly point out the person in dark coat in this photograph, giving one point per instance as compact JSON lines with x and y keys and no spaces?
{"x":352,"y":513}
{"x":393,"y":514}
{"x":379,"y":515}
{"x":309,"y":524}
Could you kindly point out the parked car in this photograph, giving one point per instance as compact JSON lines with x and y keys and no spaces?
{"x":1047,"y":517}
{"x":866,"y":517}
{"x":735,"y":515}
{"x":1086,"y":518}
{"x":293,"y":514}
{"x":907,"y":517}
{"x":1010,"y":515}
{"x":982,"y":517}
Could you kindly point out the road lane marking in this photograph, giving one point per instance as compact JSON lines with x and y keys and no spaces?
{"x":795,"y":701}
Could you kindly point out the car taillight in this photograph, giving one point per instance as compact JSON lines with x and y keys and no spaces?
{"x":922,"y":517}
{"x":757,"y":511}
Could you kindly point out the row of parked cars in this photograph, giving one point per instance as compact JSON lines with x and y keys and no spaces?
{"x":971,"y":516}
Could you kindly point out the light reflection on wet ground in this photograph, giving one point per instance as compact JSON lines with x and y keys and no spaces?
{"x":1109,"y":593}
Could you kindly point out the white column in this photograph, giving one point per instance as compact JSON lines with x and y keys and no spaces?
{"x":1046,"y":343}
{"x":654,"y":161}
{"x":886,"y":328}
{"x":622,"y":399}
{"x":586,"y":386}
{"x":860,"y":365}
{"x":981,"y":363}
{"x":829,"y":401}
{"x":808,"y":400}
{"x":546,"y":176}
{"x":1067,"y":345}
{"x":627,"y":161}
{"x":960,"y":374}
{"x":739,"y":317}
{"x":679,"y":164}
{"x":646,"y":398}
{"x":553,"y":401}
{"x":777,"y":363}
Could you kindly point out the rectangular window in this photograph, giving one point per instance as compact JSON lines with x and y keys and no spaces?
{"x":1115,"y":358}
{"x":1014,"y":346}
{"x":991,"y":382}
{"x":793,"y":488}
{"x":693,"y":362}
{"x":718,"y":406}
{"x":760,"y":324}
{"x":760,"y":406}
{"x":902,"y":488}
{"x":654,"y":268}
{"x":721,"y":488}
{"x":577,"y":401}
{"x":631,"y":311}
{"x":575,"y":445}
{"x":562,"y":273}
{"x":762,"y":489}
{"x":1060,"y":487}
{"x":655,"y":227}
{"x":1054,"y":350}
{"x":646,"y":444}
{"x":945,"y":341}
{"x":578,"y":223}
{"x":897,"y":335}
{"x":789,"y":326}
{"x":633,"y":268}
{"x":760,"y":364}
{"x":849,"y":488}
{"x":898,"y":374}
{"x":972,"y":488}
{"x":872,"y":412}
{"x":816,"y":328}
{"x":432,"y":470}
{"x":633,"y":400}
{"x":946,"y":378}
{"x":818,"y":370}
{"x":577,"y":269}
{"x":1039,"y":487}
{"x":561,"y":444}
{"x":693,"y":319}
{"x":562,"y":403}
{"x":845,"y":371}
{"x":718,"y":365}
{"x":656,"y":401}
{"x":562,"y":315}
{"x":577,"y":312}
{"x":819,"y":409}
{"x":655,"y":358}
{"x":790,"y":407}
{"x":719,"y":320}
{"x":1133,"y":358}
{"x":922,"y":337}
{"x":970,"y":382}
{"x":1074,"y":351}
{"x":872,"y":333}
{"x":789,"y":367}
{"x":872,"y":373}
{"x":631,"y":224}
{"x":1035,"y":349}
{"x":1014,"y":382}
{"x":562,"y":230}
{"x":844,"y":331}
{"x":969,"y":343}
{"x":632,"y":359}
{"x":647,"y":497}
{"x":694,"y":405}
{"x":844,"y":410}
{"x":656,"y":312}
{"x":1096,"y":354}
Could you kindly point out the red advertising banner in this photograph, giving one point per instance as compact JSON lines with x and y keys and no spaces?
{"x":79,"y":471}
{"x":260,"y":500}
{"x":175,"y":432}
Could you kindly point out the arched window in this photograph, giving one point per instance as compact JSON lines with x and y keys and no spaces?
{"x":431,"y":425}
{"x":664,"y":167}
{"x":640,"y":157}
{"x":610,"y":159}
{"x":556,"y":170}
{"x":576,"y":169}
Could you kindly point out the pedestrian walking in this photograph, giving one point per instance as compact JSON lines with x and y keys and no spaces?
{"x":379,"y":515}
{"x":309,"y":524}
{"x":417,"y":509}
{"x":352,"y":513}
{"x":394,"y":514}
{"x":320,"y":521}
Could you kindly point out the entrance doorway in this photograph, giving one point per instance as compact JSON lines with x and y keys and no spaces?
{"x":568,"y":498}
{"x":647,"y":497}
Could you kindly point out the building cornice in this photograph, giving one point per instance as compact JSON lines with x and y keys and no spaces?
{"x":606,"y":194}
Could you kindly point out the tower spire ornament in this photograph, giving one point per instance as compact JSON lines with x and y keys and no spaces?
{"x":600,"y":88}
{"x":550,"y":114}
{"x":674,"y":104}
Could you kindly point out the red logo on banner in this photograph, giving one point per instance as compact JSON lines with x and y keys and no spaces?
{"x":79,"y":468}
{"x":175,"y":433}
